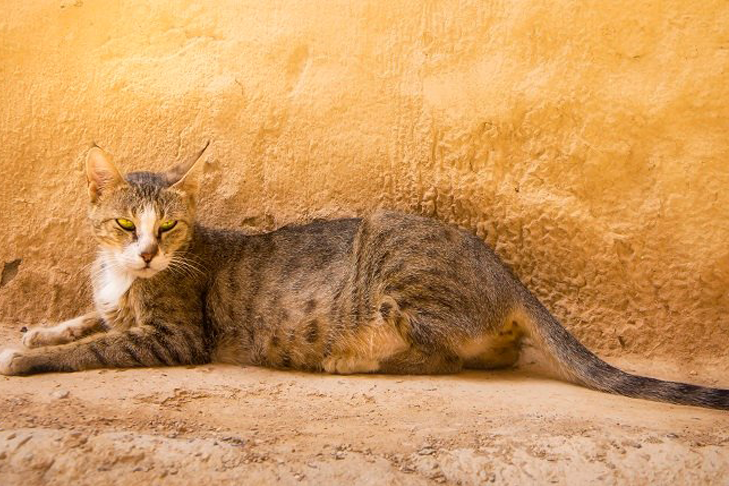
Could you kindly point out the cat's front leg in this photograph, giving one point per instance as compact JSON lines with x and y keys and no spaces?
{"x":156,"y":344}
{"x":65,"y":332}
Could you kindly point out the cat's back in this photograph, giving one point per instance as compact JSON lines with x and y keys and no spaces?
{"x":292,"y":256}
{"x":321,"y":243}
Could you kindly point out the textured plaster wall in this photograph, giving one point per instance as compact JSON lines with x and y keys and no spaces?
{"x":587,"y":141}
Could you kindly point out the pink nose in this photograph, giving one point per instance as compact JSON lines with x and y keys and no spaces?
{"x":148,"y":254}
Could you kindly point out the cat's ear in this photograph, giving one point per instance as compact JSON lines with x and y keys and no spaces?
{"x":186,"y":175}
{"x":101,"y":173}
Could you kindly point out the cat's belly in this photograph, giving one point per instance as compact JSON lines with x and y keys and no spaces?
{"x":313,"y":345}
{"x":301,"y":344}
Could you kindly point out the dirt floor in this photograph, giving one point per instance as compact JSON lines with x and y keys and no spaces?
{"x":231,"y":425}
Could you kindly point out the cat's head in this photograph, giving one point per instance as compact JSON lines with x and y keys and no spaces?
{"x":143,"y":221}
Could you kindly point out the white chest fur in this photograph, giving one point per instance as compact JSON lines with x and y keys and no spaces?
{"x":109,"y":286}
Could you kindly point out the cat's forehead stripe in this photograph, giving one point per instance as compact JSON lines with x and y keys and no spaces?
{"x":140,"y":195}
{"x":147,"y":220}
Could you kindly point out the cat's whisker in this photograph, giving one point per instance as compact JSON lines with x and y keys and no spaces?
{"x":179,"y":263}
{"x":179,"y":269}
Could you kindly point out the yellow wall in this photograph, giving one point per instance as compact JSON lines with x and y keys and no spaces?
{"x":588,"y":141}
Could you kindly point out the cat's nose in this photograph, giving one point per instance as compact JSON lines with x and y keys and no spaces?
{"x":148,"y":253}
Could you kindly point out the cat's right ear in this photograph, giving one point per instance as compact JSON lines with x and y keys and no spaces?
{"x":101,"y":174}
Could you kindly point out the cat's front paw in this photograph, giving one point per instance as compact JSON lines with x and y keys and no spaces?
{"x":31,"y":338}
{"x":9,"y":362}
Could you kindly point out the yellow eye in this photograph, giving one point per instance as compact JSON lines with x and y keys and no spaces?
{"x":125,"y":224}
{"x":167,"y":225}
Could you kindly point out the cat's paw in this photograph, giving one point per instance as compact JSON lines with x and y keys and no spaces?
{"x":348,"y":365}
{"x":32,"y":338}
{"x":8,"y":361}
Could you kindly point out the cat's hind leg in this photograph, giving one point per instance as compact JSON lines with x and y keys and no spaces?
{"x":363,"y":349}
{"x":494,"y":350}
{"x":399,"y":343}
{"x":409,"y":361}
{"x":65,"y":332}
{"x":419,"y":362}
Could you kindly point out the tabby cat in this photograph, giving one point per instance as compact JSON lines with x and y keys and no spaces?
{"x":389,"y":293}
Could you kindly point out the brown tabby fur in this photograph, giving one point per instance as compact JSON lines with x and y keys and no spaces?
{"x":389,"y":293}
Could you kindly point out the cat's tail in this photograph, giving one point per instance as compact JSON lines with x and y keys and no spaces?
{"x":585,"y":368}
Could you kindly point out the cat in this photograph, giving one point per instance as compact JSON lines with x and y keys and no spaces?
{"x":387,"y":293}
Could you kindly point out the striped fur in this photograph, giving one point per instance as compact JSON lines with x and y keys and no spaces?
{"x":389,"y":293}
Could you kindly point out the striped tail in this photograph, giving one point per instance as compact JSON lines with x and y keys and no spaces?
{"x":585,"y":368}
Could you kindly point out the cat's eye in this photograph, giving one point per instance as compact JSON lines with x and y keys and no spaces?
{"x":168,"y":225}
{"x":125,"y":224}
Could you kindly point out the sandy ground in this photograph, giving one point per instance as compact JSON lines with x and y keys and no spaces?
{"x":230,"y":425}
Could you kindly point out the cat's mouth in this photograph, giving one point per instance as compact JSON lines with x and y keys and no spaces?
{"x":147,"y":271}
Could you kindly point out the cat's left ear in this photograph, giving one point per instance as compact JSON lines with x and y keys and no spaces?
{"x":186,"y":175}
